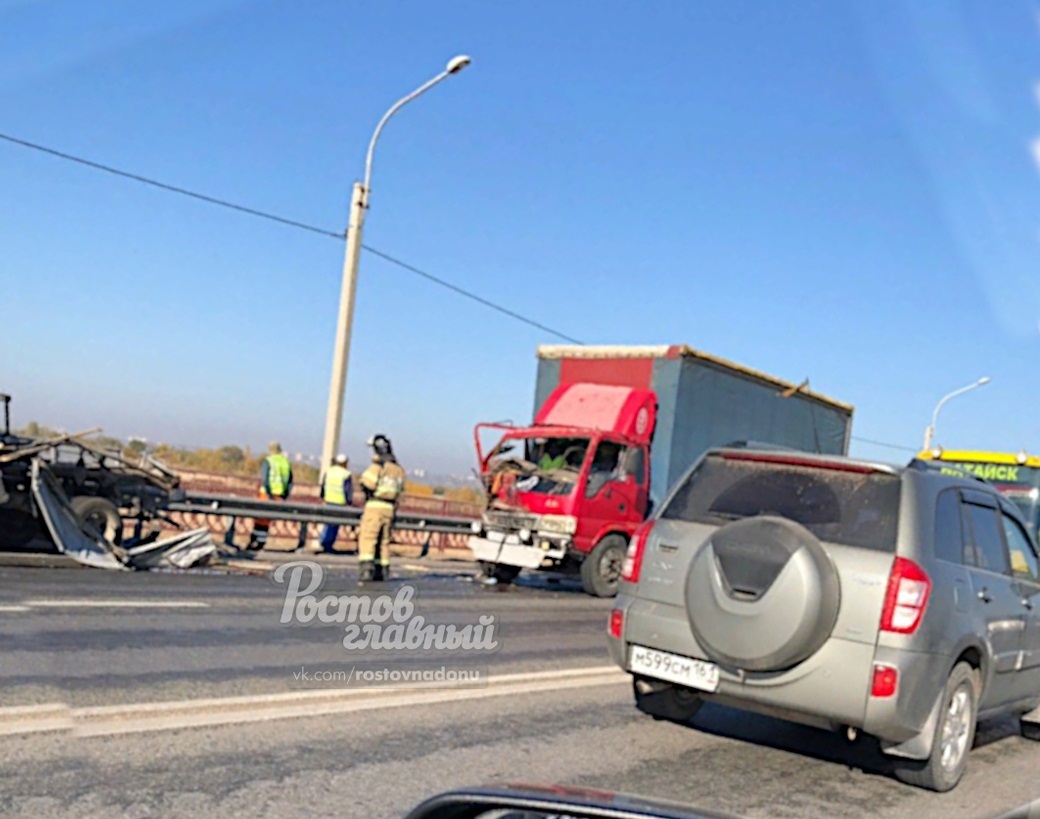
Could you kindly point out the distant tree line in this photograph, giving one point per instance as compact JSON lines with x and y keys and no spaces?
{"x":225,"y":460}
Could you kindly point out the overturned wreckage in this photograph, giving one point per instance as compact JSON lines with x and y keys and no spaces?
{"x":84,"y":543}
{"x":103,"y":487}
{"x":78,"y":493}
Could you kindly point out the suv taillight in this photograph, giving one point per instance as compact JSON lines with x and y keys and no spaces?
{"x":885,"y":682}
{"x":906,"y":597}
{"x":634,"y":556}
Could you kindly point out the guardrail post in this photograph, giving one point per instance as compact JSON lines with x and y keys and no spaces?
{"x":229,"y":535}
{"x":302,"y":540}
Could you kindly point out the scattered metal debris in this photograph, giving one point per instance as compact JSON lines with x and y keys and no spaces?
{"x":70,"y":536}
{"x":182,"y":551}
{"x":84,"y":544}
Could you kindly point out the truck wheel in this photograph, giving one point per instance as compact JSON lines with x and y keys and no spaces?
{"x":954,"y":735}
{"x":499,"y":572}
{"x":101,"y":514}
{"x":601,"y":569}
{"x":662,"y":700}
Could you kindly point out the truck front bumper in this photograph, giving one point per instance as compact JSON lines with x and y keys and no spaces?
{"x":508,"y":550}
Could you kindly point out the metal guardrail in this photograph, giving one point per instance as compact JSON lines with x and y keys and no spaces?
{"x":195,"y":482}
{"x":308,"y":513}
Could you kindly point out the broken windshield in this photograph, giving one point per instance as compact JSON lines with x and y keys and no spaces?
{"x":556,"y":454}
{"x":549,"y":465}
{"x":557,"y":462}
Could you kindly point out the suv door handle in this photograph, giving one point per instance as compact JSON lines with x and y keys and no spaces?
{"x":984,"y":595}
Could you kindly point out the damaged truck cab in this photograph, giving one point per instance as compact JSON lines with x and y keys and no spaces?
{"x":614,"y":427}
{"x":567,"y":492}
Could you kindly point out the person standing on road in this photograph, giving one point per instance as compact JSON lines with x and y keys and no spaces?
{"x":276,"y":479}
{"x":337,"y":489}
{"x":382,"y":482}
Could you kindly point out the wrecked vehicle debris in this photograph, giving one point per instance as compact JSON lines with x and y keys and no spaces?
{"x":72,"y":536}
{"x":81,"y":497}
{"x":81,"y":541}
{"x":103,"y":487}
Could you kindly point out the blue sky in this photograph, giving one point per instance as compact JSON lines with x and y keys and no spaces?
{"x":841,"y":191}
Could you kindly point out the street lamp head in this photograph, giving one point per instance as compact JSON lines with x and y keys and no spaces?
{"x":930,"y":430}
{"x":456,"y":64}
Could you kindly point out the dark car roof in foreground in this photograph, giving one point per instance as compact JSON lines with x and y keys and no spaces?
{"x":554,"y":800}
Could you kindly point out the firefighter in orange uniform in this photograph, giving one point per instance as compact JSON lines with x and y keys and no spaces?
{"x":382,"y":482}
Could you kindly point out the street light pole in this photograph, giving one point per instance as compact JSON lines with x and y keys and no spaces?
{"x":929,"y":431}
{"x":351,"y":258}
{"x":344,"y":324}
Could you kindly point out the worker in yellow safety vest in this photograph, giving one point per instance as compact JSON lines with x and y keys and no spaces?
{"x":276,"y":479}
{"x":337,"y":489}
{"x":382,"y":482}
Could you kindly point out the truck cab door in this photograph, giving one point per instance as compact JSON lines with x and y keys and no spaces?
{"x":636,"y":471}
{"x":610,"y":494}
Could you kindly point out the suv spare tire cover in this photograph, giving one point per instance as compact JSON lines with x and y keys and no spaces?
{"x":762,"y":594}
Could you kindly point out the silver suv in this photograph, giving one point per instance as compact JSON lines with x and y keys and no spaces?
{"x":844,"y":594}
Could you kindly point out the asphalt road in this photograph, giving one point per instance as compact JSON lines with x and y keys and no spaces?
{"x":76,"y":635}
{"x":380,"y":761}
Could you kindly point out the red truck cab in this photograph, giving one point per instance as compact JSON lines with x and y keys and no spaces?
{"x":568,"y":492}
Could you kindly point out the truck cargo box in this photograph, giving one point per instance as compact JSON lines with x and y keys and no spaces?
{"x":703,"y":401}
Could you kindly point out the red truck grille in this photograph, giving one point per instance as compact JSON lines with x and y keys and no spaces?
{"x":511,"y":520}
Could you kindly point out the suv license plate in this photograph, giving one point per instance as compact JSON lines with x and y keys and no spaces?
{"x":673,"y":668}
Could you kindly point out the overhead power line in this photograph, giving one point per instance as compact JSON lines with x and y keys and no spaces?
{"x":155,"y":183}
{"x":884,"y":444}
{"x":293,"y":223}
{"x":473,"y":296}
{"x":273,"y":217}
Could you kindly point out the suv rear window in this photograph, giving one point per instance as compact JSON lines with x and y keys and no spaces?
{"x":838,"y":506}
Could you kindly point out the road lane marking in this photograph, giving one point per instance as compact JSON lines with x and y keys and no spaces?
{"x":14,"y":608}
{"x":36,"y":719}
{"x":116,"y":604}
{"x":109,"y":720}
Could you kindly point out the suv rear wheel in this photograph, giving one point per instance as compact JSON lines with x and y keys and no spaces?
{"x":662,"y":700}
{"x":954,"y":735}
{"x":1030,"y":730}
